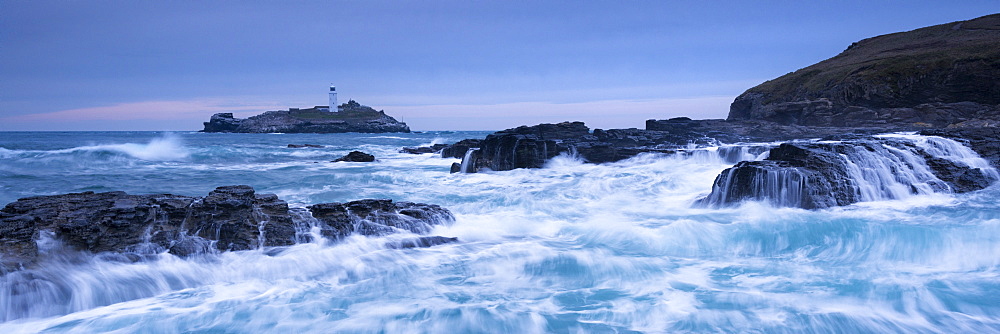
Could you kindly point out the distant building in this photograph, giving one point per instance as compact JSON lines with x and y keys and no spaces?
{"x":333,"y":99}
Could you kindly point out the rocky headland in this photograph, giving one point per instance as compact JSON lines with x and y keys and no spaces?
{"x":351,"y":117}
{"x":231,"y":218}
{"x":938,"y":76}
{"x":941,"y":81}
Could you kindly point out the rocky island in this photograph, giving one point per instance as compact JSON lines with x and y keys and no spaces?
{"x":350,"y":117}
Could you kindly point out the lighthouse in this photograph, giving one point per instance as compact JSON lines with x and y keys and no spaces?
{"x":333,"y":99}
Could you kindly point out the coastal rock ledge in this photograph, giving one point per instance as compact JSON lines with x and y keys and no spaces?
{"x":231,"y":218}
{"x":351,"y":117}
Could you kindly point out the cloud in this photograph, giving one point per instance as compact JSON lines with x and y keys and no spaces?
{"x":149,"y":111}
{"x":189,"y":114}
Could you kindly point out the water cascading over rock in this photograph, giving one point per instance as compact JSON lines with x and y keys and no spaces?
{"x":815,"y":175}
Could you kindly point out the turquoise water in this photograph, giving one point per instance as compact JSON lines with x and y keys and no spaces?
{"x":571,"y":247}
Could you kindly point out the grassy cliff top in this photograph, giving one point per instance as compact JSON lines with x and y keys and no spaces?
{"x":348,"y":111}
{"x":342,"y":115}
{"x":893,"y":58}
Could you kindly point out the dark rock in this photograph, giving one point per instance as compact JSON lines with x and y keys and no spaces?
{"x":144,"y":224}
{"x":815,"y":175}
{"x":356,"y":156}
{"x":505,"y":151}
{"x":276,"y":222}
{"x":458,"y":150}
{"x":377,"y":217}
{"x":17,"y":243}
{"x":423,"y":149}
{"x":985,"y":140}
{"x":558,"y":131}
{"x":421,"y":242}
{"x":334,"y":220}
{"x":530,"y":147}
{"x":351,"y":117}
{"x":227,"y":216}
{"x":932,"y":77}
{"x":129,"y":228}
{"x":222,"y":122}
{"x":191,"y":245}
{"x":304,"y":146}
{"x":100,"y":222}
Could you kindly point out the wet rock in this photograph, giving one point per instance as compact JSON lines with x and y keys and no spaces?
{"x":423,"y":149}
{"x":421,"y":242}
{"x":458,"y":150}
{"x":505,"y":151}
{"x":123,"y":227}
{"x":377,"y":217}
{"x":984,"y":140}
{"x":191,"y":245}
{"x":530,"y":147}
{"x":356,"y":156}
{"x":814,"y":175}
{"x":276,"y":222}
{"x":232,"y":217}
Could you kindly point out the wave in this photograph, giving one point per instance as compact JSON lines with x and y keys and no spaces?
{"x":573,"y":246}
{"x":166,"y":148}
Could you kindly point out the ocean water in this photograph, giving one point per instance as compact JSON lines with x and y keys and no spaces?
{"x":569,"y":248}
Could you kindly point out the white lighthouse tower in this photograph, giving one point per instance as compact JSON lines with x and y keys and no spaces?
{"x":333,"y":99}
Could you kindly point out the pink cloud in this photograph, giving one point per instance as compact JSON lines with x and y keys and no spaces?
{"x":597,"y":114}
{"x":150,"y":110}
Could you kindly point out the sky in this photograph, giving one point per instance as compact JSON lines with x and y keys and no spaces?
{"x":437,"y":65}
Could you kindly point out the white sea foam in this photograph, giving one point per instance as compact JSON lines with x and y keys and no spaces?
{"x":166,"y":148}
{"x":571,"y":247}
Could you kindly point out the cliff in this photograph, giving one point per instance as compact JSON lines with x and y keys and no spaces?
{"x":352,"y":117}
{"x":943,"y":75}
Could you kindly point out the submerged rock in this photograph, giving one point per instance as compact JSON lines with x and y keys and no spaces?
{"x":230,"y":218}
{"x":377,"y":217}
{"x":356,"y":156}
{"x":423,"y":149}
{"x":421,"y":242}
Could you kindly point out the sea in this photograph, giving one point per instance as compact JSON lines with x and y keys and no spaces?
{"x":569,"y":248}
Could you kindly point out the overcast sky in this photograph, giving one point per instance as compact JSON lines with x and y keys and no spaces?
{"x":437,"y":65}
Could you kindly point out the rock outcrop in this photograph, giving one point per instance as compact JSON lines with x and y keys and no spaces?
{"x":356,"y":156}
{"x":458,"y":149}
{"x":377,"y":217}
{"x":936,"y":76}
{"x":814,"y":175}
{"x":532,"y":146}
{"x":351,"y":117}
{"x":423,"y":149}
{"x":230,"y":218}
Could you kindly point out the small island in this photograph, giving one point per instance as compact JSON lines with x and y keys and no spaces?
{"x":349,"y":117}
